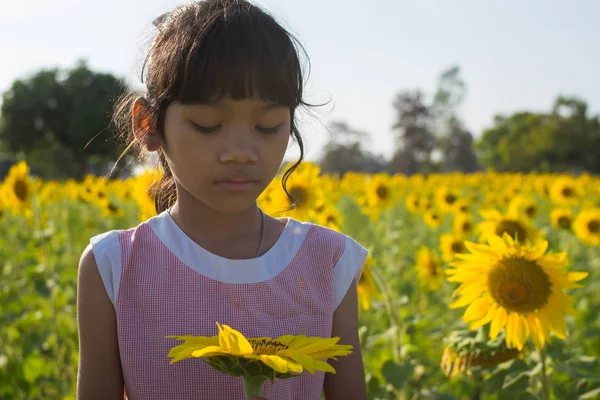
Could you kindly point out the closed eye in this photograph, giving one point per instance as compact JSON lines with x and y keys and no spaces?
{"x":268,"y":130}
{"x":205,"y":129}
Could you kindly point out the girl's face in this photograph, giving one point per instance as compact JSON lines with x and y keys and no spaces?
{"x":225,"y":154}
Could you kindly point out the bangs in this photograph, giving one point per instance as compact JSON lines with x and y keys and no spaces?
{"x":241,"y":53}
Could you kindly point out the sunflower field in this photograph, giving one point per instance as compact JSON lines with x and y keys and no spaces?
{"x":481,"y":286}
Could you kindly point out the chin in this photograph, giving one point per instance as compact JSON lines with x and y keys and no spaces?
{"x":232,"y":204}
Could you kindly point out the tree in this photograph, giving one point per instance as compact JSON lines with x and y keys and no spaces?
{"x":453,"y":142}
{"x":457,"y":150}
{"x":565,"y":139}
{"x":414,"y":136}
{"x":345,"y":153}
{"x":60,"y":121}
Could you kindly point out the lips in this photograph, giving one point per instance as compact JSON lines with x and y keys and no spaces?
{"x":238,"y":181}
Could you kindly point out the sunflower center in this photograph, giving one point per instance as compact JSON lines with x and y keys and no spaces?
{"x":21,"y":189}
{"x":466,"y":227}
{"x":513,"y":228}
{"x":331,"y":219}
{"x":594,"y":226}
{"x":564,"y":222}
{"x":266,"y":346}
{"x":450,"y":198}
{"x":382,"y":192}
{"x":457,"y":247}
{"x":531,"y":211}
{"x":431,"y":268}
{"x":567,"y":192}
{"x":299,"y":194}
{"x":519,"y":285}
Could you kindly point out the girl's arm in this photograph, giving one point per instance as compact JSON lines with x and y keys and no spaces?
{"x":99,"y":375}
{"x":348,"y":383}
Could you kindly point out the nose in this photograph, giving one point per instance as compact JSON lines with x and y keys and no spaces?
{"x":239,"y":147}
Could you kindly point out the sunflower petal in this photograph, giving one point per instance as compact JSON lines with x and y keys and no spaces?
{"x":232,"y":341}
{"x":280,"y":364}
{"x":323,"y":366}
{"x":208,"y":351}
{"x":477,"y":309}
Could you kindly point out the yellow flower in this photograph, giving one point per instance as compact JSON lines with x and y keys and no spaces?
{"x":18,"y":188}
{"x":446,"y":199}
{"x":564,"y":190}
{"x":432,"y":218}
{"x":516,"y":287}
{"x":454,"y":364}
{"x":462,"y":206}
{"x":286,"y":354}
{"x":113,"y":210}
{"x":524,"y":206}
{"x":367,"y":289}
{"x":379,"y":191}
{"x":462,"y":224}
{"x":450,"y":246}
{"x":304,"y":188}
{"x":587,"y":226}
{"x":413,"y":203}
{"x":497,"y":224}
{"x":561,"y":218}
{"x":328,"y":216}
{"x":430,"y":270}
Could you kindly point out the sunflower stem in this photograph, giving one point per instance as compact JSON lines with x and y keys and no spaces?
{"x":545,"y":384}
{"x":253,"y":386}
{"x":391,"y":310}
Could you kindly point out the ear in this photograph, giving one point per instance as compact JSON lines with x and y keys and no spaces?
{"x":142,"y":125}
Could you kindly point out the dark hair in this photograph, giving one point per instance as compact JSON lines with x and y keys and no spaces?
{"x":208,"y":50}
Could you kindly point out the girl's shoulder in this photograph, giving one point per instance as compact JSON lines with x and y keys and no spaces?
{"x":107,"y":249}
{"x":348,"y":256}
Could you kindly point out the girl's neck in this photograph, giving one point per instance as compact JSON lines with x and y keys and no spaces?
{"x":217,"y":231}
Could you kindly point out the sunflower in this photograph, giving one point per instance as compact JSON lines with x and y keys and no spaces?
{"x":516,"y":287}
{"x":111,"y":209}
{"x":446,"y":199}
{"x":524,"y":206}
{"x":328,"y":216}
{"x":462,"y":206}
{"x":561,"y":218}
{"x":432,"y":218}
{"x":466,"y":349}
{"x":462,"y":225}
{"x":430,"y":269}
{"x":451,"y":245}
{"x":497,"y":224}
{"x":413,"y":203}
{"x":565,"y":190}
{"x":305,"y":192}
{"x":454,"y":363}
{"x":18,"y":188}
{"x":288,"y":354}
{"x":379,"y":196}
{"x":367,"y":289}
{"x":587,"y":226}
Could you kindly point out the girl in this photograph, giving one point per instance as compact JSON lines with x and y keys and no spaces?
{"x":223,"y":84}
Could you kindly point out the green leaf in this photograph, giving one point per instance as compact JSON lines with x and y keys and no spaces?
{"x":516,"y":382}
{"x":593,"y":394}
{"x":33,"y":367}
{"x":397,"y":375}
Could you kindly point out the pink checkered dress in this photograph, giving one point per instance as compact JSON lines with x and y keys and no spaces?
{"x":162,"y":283}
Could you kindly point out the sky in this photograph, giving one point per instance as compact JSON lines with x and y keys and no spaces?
{"x":513,"y":55}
